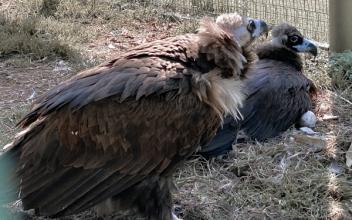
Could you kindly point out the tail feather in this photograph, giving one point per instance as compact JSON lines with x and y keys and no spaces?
{"x":9,"y":161}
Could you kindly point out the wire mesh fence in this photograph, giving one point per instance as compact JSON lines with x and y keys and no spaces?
{"x":310,"y":16}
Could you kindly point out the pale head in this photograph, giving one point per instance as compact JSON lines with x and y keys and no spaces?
{"x":243,"y":29}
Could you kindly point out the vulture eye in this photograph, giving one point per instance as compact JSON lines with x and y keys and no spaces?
{"x":294,"y":39}
{"x":251,"y":26}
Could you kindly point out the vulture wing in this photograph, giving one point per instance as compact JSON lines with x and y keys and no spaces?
{"x":278,"y":94}
{"x":88,"y":140}
{"x":224,"y":139}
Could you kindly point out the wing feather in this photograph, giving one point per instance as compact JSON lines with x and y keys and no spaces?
{"x":85,"y":157}
{"x":277,"y":97}
{"x":88,"y":138}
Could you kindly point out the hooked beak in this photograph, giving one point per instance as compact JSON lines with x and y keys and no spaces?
{"x":261,"y":28}
{"x":307,"y":46}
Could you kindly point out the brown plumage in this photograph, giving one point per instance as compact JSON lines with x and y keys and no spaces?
{"x":278,"y":92}
{"x":116,"y":132}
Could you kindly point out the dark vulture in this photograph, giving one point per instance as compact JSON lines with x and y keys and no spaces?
{"x":113,"y":135}
{"x":278,"y":93}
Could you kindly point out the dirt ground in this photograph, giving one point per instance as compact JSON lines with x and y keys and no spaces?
{"x":283,"y":178}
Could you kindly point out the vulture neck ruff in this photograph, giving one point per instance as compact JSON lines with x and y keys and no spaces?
{"x":224,"y":96}
{"x":280,"y":53}
{"x":221,"y":87}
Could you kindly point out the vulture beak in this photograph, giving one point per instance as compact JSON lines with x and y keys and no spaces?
{"x":261,"y":28}
{"x":307,"y":46}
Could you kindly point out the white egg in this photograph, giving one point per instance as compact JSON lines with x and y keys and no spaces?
{"x":308,"y":119}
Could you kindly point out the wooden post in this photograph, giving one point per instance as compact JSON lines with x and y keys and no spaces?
{"x":340,"y":25}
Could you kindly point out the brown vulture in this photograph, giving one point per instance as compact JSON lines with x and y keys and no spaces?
{"x":278,"y":93}
{"x":113,"y":135}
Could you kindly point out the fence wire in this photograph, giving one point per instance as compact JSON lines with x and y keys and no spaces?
{"x":309,"y":16}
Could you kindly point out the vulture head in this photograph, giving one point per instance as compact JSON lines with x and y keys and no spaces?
{"x":288,"y":36}
{"x":243,"y":29}
{"x":225,"y":44}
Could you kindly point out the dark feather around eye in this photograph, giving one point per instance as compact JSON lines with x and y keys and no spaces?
{"x":294,"y":38}
{"x":251,"y":26}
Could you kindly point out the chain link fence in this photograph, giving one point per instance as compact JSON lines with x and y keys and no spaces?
{"x":310,"y":16}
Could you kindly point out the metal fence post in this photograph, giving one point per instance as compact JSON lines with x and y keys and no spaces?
{"x":340,"y":25}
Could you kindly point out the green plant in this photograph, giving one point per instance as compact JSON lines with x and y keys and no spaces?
{"x":341,"y":70}
{"x":22,"y":36}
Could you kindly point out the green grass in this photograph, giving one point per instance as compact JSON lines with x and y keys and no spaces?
{"x":24,"y":37}
{"x":8,"y":121}
{"x":341,"y":70}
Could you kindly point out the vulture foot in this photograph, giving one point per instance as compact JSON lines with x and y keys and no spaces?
{"x":307,"y":130}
